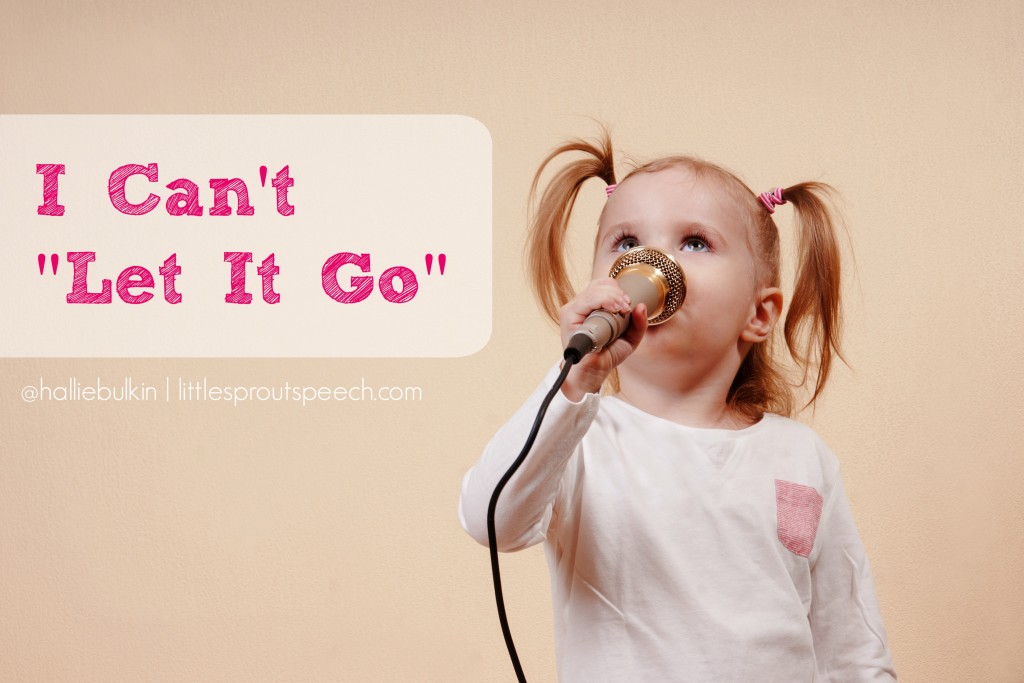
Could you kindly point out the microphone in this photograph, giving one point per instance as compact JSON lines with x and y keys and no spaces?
{"x":648,"y":276}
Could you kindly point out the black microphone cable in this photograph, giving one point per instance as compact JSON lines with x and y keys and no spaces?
{"x":653,"y":277}
{"x":572,"y":356}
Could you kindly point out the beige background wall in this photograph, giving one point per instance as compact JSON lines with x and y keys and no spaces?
{"x":191,"y":542}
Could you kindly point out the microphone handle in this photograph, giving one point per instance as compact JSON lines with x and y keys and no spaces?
{"x":597,"y":331}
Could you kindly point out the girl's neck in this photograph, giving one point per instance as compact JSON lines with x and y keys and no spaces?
{"x":700,"y":403}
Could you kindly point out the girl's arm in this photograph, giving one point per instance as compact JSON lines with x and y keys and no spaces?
{"x":850,"y":643}
{"x":525,"y":506}
{"x":526,"y":503}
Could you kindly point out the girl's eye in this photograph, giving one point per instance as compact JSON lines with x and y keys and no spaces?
{"x":695,"y":244}
{"x":626,"y":243}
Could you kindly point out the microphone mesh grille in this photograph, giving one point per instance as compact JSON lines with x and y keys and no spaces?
{"x":666,"y":268}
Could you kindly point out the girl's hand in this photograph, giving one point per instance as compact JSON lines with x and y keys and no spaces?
{"x":591,"y":372}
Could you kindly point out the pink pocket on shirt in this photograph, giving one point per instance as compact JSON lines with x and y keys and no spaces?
{"x":799,"y":511}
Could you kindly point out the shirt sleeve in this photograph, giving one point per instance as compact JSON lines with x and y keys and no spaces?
{"x":850,"y":643}
{"x":525,"y":506}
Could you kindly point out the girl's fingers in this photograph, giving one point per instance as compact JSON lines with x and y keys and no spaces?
{"x":637,"y":325}
{"x":620,"y":349}
{"x":600,"y":294}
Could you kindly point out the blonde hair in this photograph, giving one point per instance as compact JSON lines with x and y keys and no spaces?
{"x":812,"y":325}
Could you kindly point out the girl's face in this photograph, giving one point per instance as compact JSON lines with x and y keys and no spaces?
{"x":698,"y":224}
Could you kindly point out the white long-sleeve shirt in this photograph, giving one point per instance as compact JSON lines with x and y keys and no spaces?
{"x":685,"y":554}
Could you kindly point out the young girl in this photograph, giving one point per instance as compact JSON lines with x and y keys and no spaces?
{"x":694,"y":532}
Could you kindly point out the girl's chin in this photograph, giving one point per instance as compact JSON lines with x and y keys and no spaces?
{"x":663,"y":333}
{"x":668,"y":342}
{"x":658,"y":343}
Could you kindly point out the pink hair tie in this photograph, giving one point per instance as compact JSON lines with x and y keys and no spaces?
{"x":608,"y":190}
{"x":772,"y":199}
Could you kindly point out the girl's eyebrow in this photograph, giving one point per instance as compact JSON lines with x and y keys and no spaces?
{"x":682,"y":227}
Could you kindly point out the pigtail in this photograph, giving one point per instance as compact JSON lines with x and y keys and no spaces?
{"x":814,"y":321}
{"x":546,"y":245}
{"x":812,"y":326}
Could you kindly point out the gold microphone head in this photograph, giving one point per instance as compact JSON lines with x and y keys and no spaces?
{"x":664,"y":274}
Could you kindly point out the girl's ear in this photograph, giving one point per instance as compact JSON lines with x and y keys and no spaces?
{"x":766,"y":314}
